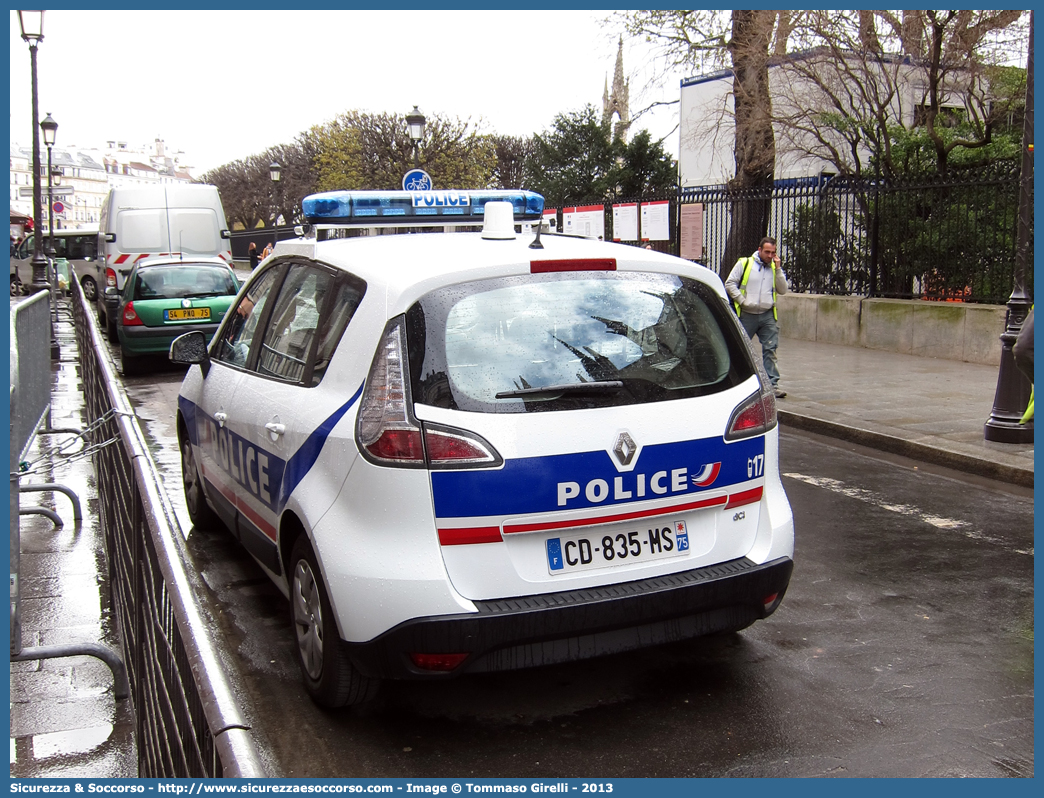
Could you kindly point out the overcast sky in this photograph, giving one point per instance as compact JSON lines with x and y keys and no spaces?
{"x":223,"y":85}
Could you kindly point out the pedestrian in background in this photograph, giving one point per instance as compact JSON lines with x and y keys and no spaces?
{"x":267,"y":252}
{"x":254,"y":259}
{"x":753,"y":285}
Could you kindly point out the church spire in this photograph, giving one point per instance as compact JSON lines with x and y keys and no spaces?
{"x":616,"y":103}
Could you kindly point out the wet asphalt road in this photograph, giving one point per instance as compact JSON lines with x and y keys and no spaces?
{"x":904,"y":647}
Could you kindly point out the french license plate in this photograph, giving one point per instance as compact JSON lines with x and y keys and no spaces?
{"x":186,"y":313}
{"x":657,"y":541}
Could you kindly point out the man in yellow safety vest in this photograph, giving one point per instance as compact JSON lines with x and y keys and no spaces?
{"x":753,"y":285}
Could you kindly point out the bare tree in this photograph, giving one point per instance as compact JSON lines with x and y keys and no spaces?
{"x":872,"y":72}
{"x":743,"y":40}
{"x":373,"y":151}
{"x":237,"y":184}
{"x":514,"y":161}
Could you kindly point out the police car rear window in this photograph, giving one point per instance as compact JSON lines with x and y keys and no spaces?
{"x":569,"y":341}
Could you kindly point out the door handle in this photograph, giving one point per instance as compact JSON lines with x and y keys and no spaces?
{"x":274,"y":428}
{"x":221,"y":418}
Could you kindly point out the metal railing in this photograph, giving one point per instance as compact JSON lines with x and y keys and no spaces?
{"x":942,"y":238}
{"x":188,"y":720}
{"x":30,"y":395}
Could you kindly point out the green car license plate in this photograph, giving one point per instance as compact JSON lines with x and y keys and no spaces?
{"x":184,"y":314}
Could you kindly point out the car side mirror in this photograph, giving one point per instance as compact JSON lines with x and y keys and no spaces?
{"x":191,"y":348}
{"x":226,"y":234}
{"x":110,"y":237}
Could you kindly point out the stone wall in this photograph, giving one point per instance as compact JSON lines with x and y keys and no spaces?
{"x":951,"y":330}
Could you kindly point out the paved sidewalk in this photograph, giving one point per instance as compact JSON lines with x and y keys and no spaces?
{"x":926,"y":408}
{"x":65,"y":722}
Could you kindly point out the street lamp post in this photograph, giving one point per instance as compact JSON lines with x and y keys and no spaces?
{"x":50,"y":132}
{"x":415,"y":122}
{"x":32,"y":32}
{"x":1013,"y":389}
{"x":275,"y":172}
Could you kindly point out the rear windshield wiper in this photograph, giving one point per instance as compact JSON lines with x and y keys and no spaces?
{"x":549,"y":392}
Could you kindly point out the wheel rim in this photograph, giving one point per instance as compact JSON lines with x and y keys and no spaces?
{"x":308,"y":619}
{"x":88,"y":289}
{"x":190,"y":479}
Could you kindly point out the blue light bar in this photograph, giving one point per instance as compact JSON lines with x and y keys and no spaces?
{"x":411,"y":208}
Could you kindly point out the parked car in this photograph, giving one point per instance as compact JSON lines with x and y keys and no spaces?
{"x":78,"y":247}
{"x":471,"y":452}
{"x":163,"y":298}
{"x":142,"y":222}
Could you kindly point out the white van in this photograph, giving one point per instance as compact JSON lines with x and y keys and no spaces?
{"x":155,"y":221}
{"x":79,"y":247}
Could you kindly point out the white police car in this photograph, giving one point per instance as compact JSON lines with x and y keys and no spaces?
{"x":483,"y":451}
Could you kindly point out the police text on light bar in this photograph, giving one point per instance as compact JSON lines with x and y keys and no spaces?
{"x":416,"y":207}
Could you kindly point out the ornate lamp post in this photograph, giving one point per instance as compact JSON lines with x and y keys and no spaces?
{"x":1013,"y":390}
{"x":415,"y":121}
{"x":31,"y":23}
{"x":275,"y":172}
{"x":50,"y":132}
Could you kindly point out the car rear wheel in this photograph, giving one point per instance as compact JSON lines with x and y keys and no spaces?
{"x":16,"y":287}
{"x":110,"y":329}
{"x":199,"y":511}
{"x":330,"y":677}
{"x":90,"y":288}
{"x":131,"y":364}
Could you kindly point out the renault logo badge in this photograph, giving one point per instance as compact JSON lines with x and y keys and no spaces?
{"x":625,"y":449}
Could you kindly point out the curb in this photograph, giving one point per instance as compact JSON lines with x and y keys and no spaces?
{"x":959,"y":461}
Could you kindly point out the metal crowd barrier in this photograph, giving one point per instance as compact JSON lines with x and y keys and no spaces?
{"x":188,"y":720}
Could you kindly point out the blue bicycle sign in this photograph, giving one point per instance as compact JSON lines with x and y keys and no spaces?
{"x":417,"y":180}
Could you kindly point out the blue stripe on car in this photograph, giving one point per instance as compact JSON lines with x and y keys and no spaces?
{"x":533,"y":484}
{"x":301,"y":462}
{"x":227,"y":447}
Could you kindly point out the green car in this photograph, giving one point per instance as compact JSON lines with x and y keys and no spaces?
{"x":163,"y":299}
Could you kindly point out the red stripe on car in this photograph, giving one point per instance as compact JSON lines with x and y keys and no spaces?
{"x":745,"y":497}
{"x":713,"y":501}
{"x":477,"y":534}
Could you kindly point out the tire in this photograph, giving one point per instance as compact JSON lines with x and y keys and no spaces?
{"x":110,"y":330}
{"x":131,"y":364}
{"x":16,"y":287}
{"x":200,"y":513}
{"x":90,"y":288}
{"x":330,"y":678}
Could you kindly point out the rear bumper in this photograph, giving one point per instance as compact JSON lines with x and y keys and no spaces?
{"x":572,"y":625}
{"x":157,"y":340}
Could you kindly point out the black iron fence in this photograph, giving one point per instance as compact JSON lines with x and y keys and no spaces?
{"x":188,"y":720}
{"x":950,"y":238}
{"x":240,"y":239}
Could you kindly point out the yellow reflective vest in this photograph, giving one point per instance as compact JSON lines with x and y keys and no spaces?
{"x":743,"y":286}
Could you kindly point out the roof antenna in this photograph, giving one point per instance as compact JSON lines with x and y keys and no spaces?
{"x":536,"y":241}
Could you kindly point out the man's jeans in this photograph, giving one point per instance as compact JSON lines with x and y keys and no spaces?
{"x":766,"y":328}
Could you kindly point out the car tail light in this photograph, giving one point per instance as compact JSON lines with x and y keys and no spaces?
{"x":389,"y":434}
{"x":386,"y":429}
{"x":453,"y":448}
{"x":755,"y":416}
{"x":573,"y":265}
{"x":437,"y":662}
{"x":130,"y":317}
{"x":110,"y":278}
